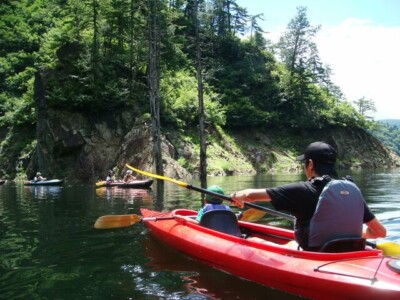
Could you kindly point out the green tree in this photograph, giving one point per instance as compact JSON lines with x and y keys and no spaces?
{"x":22,"y":27}
{"x":364,"y":106}
{"x":299,"y":55}
{"x":296,"y":47}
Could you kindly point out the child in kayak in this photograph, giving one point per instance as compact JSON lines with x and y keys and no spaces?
{"x":212,"y":202}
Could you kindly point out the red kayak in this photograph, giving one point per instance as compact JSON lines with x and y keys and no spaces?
{"x":365,"y":274}
{"x":138,"y":184}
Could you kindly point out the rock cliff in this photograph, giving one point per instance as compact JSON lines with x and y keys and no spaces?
{"x":81,"y":147}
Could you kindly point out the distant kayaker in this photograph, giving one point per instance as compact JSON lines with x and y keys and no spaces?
{"x":39,"y":177}
{"x":129,"y":177}
{"x":301,"y":199}
{"x":110,"y":176}
{"x":212,"y":202}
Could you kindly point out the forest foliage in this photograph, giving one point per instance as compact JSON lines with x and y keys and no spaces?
{"x":388,"y":132}
{"x":93,"y":56}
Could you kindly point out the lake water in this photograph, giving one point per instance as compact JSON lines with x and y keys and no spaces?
{"x":50,"y":250}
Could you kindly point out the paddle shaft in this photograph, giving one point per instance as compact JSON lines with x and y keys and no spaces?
{"x":217,"y":195}
{"x":157,"y":218}
{"x":248,"y":204}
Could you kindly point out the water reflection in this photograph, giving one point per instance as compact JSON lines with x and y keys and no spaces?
{"x":44,"y":192}
{"x":128,"y":194}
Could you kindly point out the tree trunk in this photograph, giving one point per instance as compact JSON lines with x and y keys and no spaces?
{"x":95,"y":50}
{"x":154,"y":86}
{"x":203,"y":148}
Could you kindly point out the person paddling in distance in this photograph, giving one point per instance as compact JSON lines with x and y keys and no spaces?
{"x":39,"y":177}
{"x":110,"y":176}
{"x":301,"y":200}
{"x":129,"y":177}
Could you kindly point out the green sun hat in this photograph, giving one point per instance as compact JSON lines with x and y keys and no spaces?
{"x":216,"y":189}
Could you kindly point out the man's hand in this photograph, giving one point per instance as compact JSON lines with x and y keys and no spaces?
{"x":249,"y":195}
{"x":238,"y":199}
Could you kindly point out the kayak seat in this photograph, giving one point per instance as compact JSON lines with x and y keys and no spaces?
{"x":344,"y":245}
{"x":221,"y":220}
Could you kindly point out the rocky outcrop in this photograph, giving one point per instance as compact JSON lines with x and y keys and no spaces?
{"x":80,"y":147}
{"x":358,"y":149}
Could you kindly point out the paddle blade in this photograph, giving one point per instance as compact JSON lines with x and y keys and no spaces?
{"x":252,"y":215}
{"x":99,"y":183}
{"x":116,"y":221}
{"x":389,"y":248}
{"x":181,"y":183}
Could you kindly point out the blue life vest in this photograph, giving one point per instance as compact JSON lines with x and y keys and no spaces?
{"x":339,"y":213}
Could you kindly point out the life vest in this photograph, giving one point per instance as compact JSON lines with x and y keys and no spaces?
{"x":339,"y":213}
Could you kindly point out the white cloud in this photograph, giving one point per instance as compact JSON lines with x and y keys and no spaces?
{"x":365,"y":58}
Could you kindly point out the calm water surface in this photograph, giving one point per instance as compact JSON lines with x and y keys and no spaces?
{"x":50,"y":250}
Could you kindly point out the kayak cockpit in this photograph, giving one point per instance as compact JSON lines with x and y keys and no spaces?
{"x":273,"y":239}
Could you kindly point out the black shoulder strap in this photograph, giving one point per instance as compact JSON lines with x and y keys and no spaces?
{"x":321,"y":180}
{"x":349,"y":178}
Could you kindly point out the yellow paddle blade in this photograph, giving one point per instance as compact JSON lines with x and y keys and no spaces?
{"x":181,"y":183}
{"x":252,"y":215}
{"x":99,"y":183}
{"x":389,"y":248}
{"x":116,"y":221}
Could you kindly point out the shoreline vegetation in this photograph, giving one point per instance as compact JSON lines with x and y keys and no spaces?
{"x":157,"y":83}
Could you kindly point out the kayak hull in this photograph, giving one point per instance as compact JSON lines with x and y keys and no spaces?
{"x":362,"y":274}
{"x":52,"y":182}
{"x":138,"y":184}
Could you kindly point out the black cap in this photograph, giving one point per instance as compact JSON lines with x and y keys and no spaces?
{"x":320,"y":152}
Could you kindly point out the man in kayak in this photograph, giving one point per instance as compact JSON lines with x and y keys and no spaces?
{"x":39,"y":177}
{"x":301,"y":199}
{"x":129,"y":177}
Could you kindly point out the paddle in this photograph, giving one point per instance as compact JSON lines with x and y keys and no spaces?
{"x":217,"y":195}
{"x":118,"y":221}
{"x":252,"y":215}
{"x":388,"y":248}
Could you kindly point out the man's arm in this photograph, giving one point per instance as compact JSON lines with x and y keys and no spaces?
{"x":374,"y":229}
{"x":249,"y":195}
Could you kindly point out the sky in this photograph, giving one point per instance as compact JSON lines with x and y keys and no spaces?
{"x":358,"y":39}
